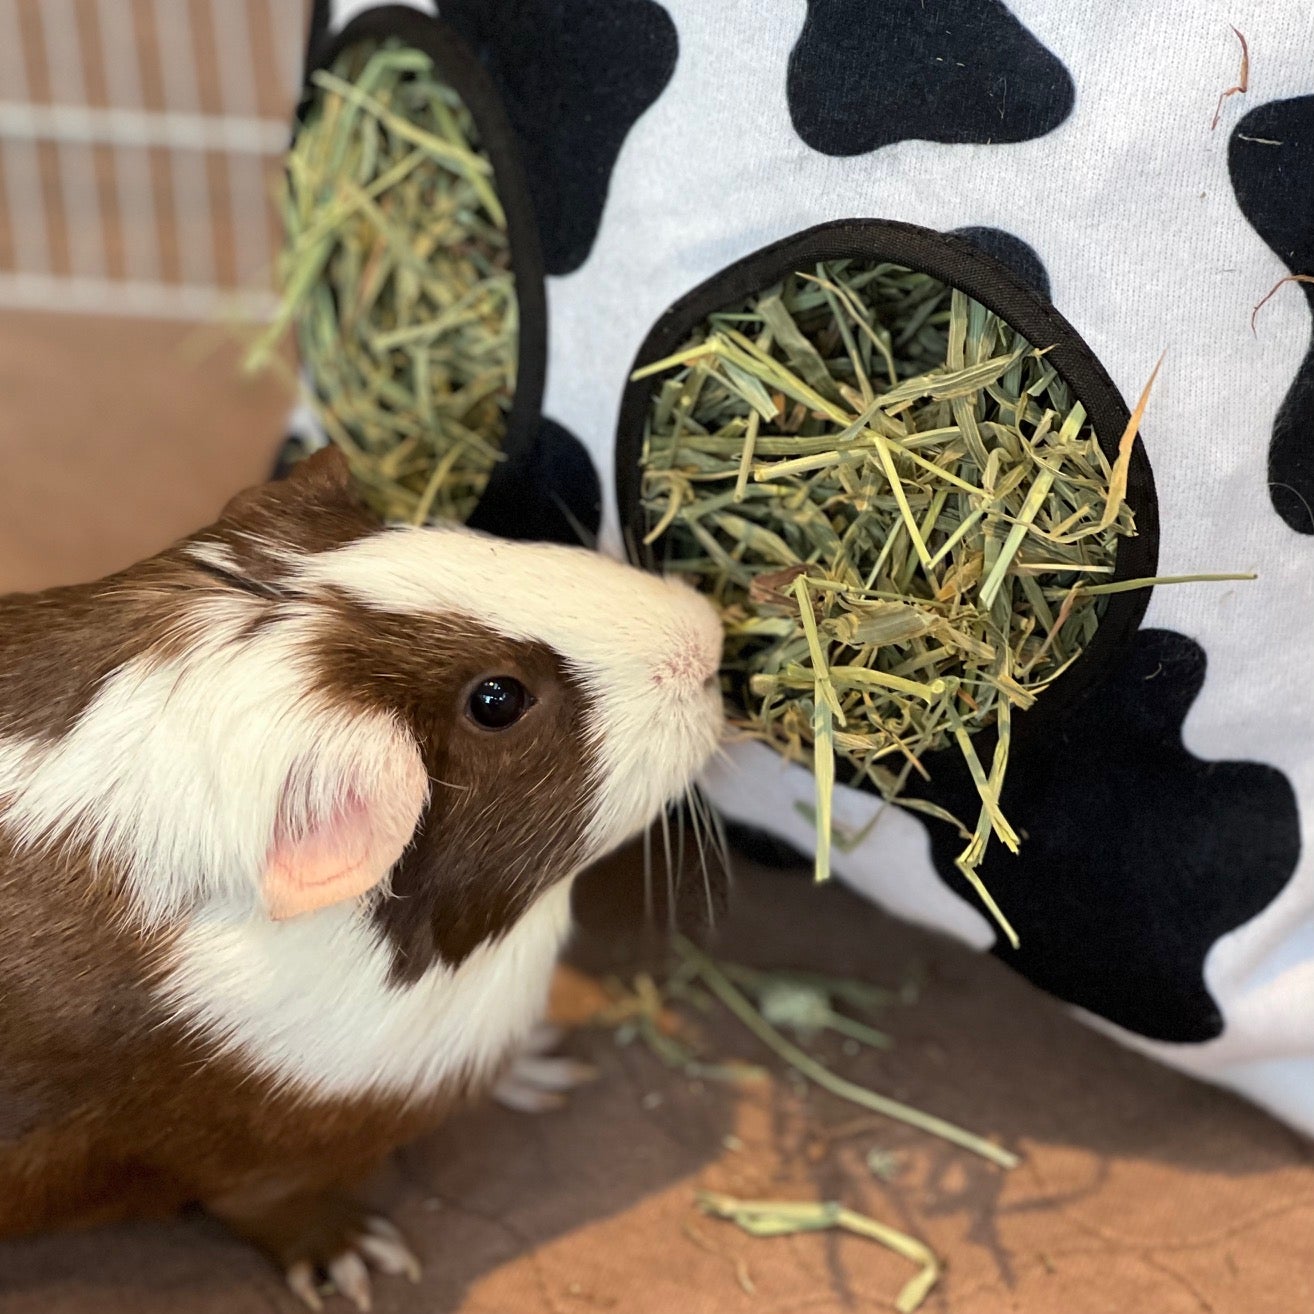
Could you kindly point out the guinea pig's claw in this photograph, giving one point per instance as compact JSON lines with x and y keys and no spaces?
{"x":554,"y":1074}
{"x":348,"y":1273}
{"x":519,"y":1098}
{"x":301,"y":1282}
{"x":385,"y":1247}
{"x":536,"y":1083}
{"x":544,"y":1037}
{"x":377,"y":1245}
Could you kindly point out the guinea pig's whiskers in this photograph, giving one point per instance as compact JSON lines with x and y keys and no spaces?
{"x":681,"y":841}
{"x":706,"y":834}
{"x":700,"y":830}
{"x":668,"y":857}
{"x":691,"y":808}
{"x":711,"y":817}
{"x":715,"y":829}
{"x":711,"y":835}
{"x":647,"y":872}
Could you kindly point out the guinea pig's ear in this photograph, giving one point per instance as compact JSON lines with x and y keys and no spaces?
{"x":323,"y":477}
{"x":324,"y":474}
{"x":336,"y":839}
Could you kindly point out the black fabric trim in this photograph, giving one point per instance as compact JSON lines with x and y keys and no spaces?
{"x":557,"y":497}
{"x":321,"y":15}
{"x":995,"y":286}
{"x":459,"y":66}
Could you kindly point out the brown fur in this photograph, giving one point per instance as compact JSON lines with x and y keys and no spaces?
{"x":57,"y":647}
{"x":492,"y":839}
{"x":110,"y":1109}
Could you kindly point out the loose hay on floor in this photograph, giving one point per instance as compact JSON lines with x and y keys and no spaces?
{"x":899,"y":508}
{"x":773,"y":1218}
{"x":397,"y":278}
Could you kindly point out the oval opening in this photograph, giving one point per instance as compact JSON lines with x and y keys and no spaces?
{"x":420,"y":314}
{"x":929,"y":452}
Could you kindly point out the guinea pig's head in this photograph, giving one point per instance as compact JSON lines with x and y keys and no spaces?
{"x":429,"y":723}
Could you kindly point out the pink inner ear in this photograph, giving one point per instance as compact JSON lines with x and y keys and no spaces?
{"x":351,"y":851}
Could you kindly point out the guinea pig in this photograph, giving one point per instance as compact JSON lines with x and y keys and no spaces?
{"x":289,"y":816}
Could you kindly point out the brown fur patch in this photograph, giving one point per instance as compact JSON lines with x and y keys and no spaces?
{"x":57,"y":648}
{"x":315,"y":509}
{"x":508,"y":809}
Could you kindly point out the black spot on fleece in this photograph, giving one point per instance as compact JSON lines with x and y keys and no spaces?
{"x":869,"y":73}
{"x":1271,"y":160}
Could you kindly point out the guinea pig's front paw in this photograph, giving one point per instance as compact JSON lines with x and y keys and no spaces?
{"x":345,"y":1263}
{"x":324,"y":1244}
{"x":536,"y":1081}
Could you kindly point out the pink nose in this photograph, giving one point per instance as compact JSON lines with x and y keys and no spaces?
{"x":692,"y":665}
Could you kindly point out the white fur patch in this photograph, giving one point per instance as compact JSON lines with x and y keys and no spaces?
{"x":218,"y":555}
{"x":644,"y":647}
{"x":176,"y":772}
{"x":308,"y":1001}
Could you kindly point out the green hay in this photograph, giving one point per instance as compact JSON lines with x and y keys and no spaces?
{"x":397,"y":280}
{"x":709,"y":974}
{"x":897,"y":505}
{"x":771,"y":1218}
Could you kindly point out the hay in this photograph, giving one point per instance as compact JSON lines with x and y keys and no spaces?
{"x":897,"y":505}
{"x":802,"y":1002}
{"x":709,"y":974}
{"x":771,"y":1218}
{"x":396,"y":277}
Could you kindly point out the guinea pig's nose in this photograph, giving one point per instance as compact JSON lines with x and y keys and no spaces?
{"x":693,"y":665}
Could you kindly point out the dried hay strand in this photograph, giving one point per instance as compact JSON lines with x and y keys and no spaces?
{"x":772,"y":1218}
{"x":903,"y":514}
{"x":396,"y":277}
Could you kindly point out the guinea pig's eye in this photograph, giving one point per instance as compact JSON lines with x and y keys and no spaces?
{"x":498,"y":703}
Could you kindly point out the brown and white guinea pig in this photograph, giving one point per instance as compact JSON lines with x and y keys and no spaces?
{"x":288,"y":820}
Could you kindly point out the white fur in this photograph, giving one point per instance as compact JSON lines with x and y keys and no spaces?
{"x":178,"y":769}
{"x":643,"y":646}
{"x":308,"y":1001}
{"x":218,"y":555}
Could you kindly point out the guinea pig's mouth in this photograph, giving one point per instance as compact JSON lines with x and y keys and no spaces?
{"x":653,"y":763}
